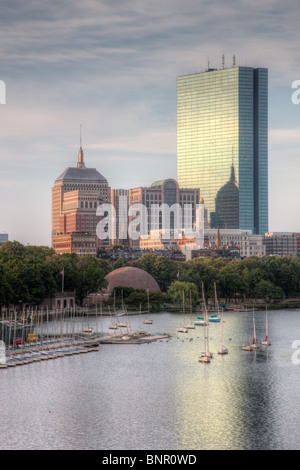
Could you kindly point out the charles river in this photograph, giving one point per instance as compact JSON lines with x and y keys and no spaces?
{"x":157,"y":396}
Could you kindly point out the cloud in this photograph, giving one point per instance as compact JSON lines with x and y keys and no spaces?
{"x":284,"y":136}
{"x":111,"y":65}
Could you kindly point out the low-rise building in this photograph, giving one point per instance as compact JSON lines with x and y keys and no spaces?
{"x":240,"y":242}
{"x":282,"y":243}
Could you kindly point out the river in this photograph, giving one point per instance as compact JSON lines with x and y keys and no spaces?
{"x":157,"y":396}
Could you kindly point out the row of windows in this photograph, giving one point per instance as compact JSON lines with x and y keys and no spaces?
{"x":90,"y":204}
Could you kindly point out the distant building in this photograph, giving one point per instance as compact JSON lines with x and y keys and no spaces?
{"x":248,"y":244}
{"x":76,"y":194}
{"x":59,"y":301}
{"x":222,"y":144}
{"x":120,"y":201}
{"x":282,"y":243}
{"x":239,"y":242}
{"x":3,"y":238}
{"x":164,"y":192}
{"x":81,"y":243}
{"x":156,"y":241}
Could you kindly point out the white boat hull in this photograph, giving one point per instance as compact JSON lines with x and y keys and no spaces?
{"x":223,"y":351}
{"x":204,"y":359}
{"x":247,"y":348}
{"x":182,"y":330}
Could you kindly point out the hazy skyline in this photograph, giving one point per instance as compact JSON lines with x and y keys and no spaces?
{"x":112,"y":66}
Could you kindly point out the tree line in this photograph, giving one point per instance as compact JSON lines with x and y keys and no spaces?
{"x":30,"y":274}
{"x":270,"y":278}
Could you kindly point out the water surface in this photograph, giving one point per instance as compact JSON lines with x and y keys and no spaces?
{"x":157,"y":396}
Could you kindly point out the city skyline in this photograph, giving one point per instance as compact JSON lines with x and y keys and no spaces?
{"x":112,"y":67}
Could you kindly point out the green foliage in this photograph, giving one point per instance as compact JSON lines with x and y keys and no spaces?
{"x":162,"y":269}
{"x":183,"y":292}
{"x":233,"y":278}
{"x":120,"y":263}
{"x":30,"y":274}
{"x":268,"y":291}
{"x":137,"y":298}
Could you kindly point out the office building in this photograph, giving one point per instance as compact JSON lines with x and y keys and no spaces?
{"x":282,"y":243}
{"x":120,"y":202}
{"x":76,"y":194}
{"x":165,"y":192}
{"x":222,"y":144}
{"x":243,"y":242}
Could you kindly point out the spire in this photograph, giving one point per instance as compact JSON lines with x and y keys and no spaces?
{"x":232,"y":173}
{"x":80,"y":163}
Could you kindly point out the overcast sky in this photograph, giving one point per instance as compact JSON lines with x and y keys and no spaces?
{"x":112,"y":67}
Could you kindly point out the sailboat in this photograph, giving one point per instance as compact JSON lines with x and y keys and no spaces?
{"x":112,"y":325}
{"x":147,"y":321}
{"x":266,"y":341}
{"x":223,"y":349}
{"x":190,"y":326}
{"x":205,"y":356}
{"x":202,"y":320}
{"x":254,"y":344}
{"x":182,"y":329}
{"x":207,"y":353}
{"x":216,"y":317}
{"x":123,"y":313}
{"x":248,"y":347}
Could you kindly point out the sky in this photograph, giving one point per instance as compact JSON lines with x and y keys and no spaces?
{"x":111,"y":66}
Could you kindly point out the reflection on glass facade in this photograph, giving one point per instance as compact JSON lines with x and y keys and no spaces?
{"x":222,"y":144}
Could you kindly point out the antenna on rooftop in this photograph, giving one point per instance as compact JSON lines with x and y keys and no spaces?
{"x":223,"y":61}
{"x":233,"y":61}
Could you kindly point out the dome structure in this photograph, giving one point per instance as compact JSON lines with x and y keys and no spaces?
{"x":131,"y":277}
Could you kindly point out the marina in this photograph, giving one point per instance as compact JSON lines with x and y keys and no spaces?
{"x":47,"y":335}
{"x":111,"y":399}
{"x":74,"y":402}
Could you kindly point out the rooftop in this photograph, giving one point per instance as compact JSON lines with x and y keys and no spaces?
{"x":81,"y":173}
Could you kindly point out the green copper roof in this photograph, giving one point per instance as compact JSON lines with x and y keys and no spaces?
{"x":157,"y":183}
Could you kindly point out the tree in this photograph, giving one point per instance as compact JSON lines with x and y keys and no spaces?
{"x":267,"y":290}
{"x":90,"y":276}
{"x":180,"y":292}
{"x":233,"y":285}
{"x":6,"y":291}
{"x":203,"y":271}
{"x":162,"y":269}
{"x":120,"y":263}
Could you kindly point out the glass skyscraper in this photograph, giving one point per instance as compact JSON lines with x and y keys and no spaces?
{"x":222,"y":144}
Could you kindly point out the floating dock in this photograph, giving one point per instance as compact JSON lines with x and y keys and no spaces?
{"x":132,"y":338}
{"x":43,"y":352}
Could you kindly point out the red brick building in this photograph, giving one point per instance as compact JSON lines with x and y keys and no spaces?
{"x":76,"y":194}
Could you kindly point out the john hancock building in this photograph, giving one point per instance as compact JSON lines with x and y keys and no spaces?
{"x":222,"y":144}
